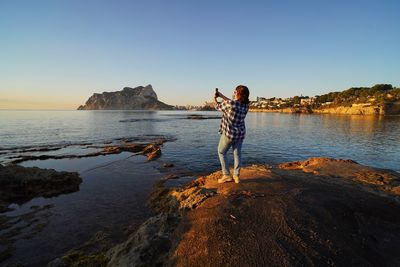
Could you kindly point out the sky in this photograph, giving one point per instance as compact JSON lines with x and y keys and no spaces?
{"x":55,"y":54}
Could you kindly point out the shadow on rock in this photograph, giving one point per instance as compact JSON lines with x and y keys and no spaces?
{"x":335,"y":213}
{"x":20,"y":184}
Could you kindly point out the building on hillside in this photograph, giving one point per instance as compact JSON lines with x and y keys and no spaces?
{"x":307,"y":101}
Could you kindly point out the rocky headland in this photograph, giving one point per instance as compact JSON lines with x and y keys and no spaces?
{"x":138,"y":98}
{"x":316,"y":212}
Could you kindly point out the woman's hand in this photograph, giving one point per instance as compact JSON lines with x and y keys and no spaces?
{"x":215,"y":98}
{"x":218,"y":94}
{"x":221,"y":96}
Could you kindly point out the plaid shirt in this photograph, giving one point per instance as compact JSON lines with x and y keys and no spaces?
{"x":232,"y":122}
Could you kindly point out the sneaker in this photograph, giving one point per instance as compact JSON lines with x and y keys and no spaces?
{"x":236,"y":179}
{"x":224,"y":179}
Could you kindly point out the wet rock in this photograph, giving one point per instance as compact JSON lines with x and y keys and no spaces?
{"x":168,"y":165}
{"x":20,"y":184}
{"x":134,"y":148}
{"x":149,"y":148}
{"x":201,"y":117}
{"x":112,"y":150}
{"x":170,"y":177}
{"x":159,"y":142}
{"x":5,"y":252}
{"x":152,"y":152}
{"x":154,"y":155}
{"x":148,"y":246}
{"x":77,"y":258}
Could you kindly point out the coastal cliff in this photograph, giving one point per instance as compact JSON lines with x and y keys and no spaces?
{"x":353,"y":109}
{"x":138,"y":98}
{"x":363,"y":109}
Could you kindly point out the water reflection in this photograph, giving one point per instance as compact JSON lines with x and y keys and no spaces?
{"x":271,"y":137}
{"x":372,"y":140}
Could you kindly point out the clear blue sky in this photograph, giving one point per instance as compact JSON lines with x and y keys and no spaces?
{"x":55,"y":54}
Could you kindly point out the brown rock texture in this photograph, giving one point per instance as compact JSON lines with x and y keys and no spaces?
{"x":152,"y":151}
{"x":349,"y":171}
{"x":389,"y":108}
{"x":354,"y":109}
{"x":315,"y":212}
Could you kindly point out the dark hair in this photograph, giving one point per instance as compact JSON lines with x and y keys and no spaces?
{"x":243,"y":93}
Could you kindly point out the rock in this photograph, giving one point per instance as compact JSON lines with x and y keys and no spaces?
{"x":154,"y":154}
{"x":20,"y":184}
{"x":116,"y":149}
{"x":112,"y":149}
{"x":138,"y":98}
{"x":349,"y":170}
{"x":151,"y":150}
{"x":387,"y":108}
{"x":296,"y":214}
{"x":5,"y":252}
{"x":77,"y":258}
{"x":159,"y":142}
{"x":171,"y":176}
{"x":354,"y":109}
{"x":201,"y":117}
{"x":168,"y":165}
{"x":148,"y":246}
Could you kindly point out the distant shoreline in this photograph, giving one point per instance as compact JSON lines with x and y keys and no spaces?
{"x":339,"y":110}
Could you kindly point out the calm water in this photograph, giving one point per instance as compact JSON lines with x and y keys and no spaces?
{"x":112,"y":197}
{"x":271,"y":137}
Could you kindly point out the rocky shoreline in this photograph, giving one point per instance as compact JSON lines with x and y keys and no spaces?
{"x":19,"y":184}
{"x":313,"y":212}
{"x":150,"y":149}
{"x":320,"y":211}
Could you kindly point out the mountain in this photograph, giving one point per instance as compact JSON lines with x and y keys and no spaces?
{"x":138,"y":98}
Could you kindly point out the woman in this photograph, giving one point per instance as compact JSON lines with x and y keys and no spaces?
{"x":232,"y":130}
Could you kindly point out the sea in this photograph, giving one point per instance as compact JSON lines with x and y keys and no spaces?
{"x":271,"y":138}
{"x":112,"y":200}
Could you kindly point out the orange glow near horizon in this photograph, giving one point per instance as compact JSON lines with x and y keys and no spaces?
{"x":37,"y":103}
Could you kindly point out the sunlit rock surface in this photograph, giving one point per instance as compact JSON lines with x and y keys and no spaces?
{"x":138,"y":98}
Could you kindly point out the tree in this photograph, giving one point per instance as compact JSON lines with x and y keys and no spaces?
{"x":381,"y":87}
{"x":296,"y":100}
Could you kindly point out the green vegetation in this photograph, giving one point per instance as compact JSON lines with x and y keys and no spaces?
{"x":377,"y":94}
